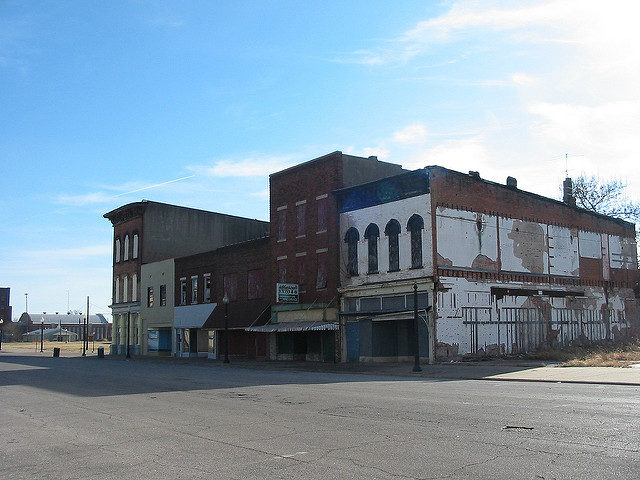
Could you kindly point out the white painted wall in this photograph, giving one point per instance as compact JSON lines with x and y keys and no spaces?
{"x":590,"y":244}
{"x":622,"y":252}
{"x":460,"y":240}
{"x":523,"y":246}
{"x":400,"y":210}
{"x":563,"y":251}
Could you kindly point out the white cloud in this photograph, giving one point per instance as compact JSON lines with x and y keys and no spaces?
{"x":415,"y":133}
{"x":247,"y":167}
{"x":84,"y":199}
{"x":66,"y":253}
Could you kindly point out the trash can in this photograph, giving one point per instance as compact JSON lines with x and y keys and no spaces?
{"x":56,"y":351}
{"x":100,"y":352}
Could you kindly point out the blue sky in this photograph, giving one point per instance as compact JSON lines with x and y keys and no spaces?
{"x":102,"y":103}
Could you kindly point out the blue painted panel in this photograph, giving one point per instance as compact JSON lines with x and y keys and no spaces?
{"x":353,"y":341}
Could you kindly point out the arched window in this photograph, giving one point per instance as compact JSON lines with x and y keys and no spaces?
{"x":117,"y":250}
{"x":116,"y":288}
{"x":372,"y":233}
{"x":351,"y":238}
{"x":415,"y":225}
{"x":134,"y":287}
{"x":125,"y":289}
{"x":135,"y":246}
{"x":392,"y":230}
{"x":126,"y":248}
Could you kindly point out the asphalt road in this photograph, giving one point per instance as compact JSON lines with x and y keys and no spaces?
{"x":89,"y":418}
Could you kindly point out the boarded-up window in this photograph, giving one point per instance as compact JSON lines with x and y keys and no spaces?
{"x":149,"y":297}
{"x":255,"y":279}
{"x":207,"y":287}
{"x":183,"y":291}
{"x":230,"y":282}
{"x":282,"y":271}
{"x":301,"y":271}
{"x":351,"y":239}
{"x":392,"y":230}
{"x":282,"y":224}
{"x":300,"y":214}
{"x":322,"y":214}
{"x":415,"y":226}
{"x":371,"y":234}
{"x":163,"y":295}
{"x":321,"y":280}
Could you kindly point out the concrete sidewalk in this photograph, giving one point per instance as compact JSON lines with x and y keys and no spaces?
{"x":499,"y":370}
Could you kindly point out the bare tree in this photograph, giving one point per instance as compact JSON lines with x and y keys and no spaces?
{"x":605,"y":197}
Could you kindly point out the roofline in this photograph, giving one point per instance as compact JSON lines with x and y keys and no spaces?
{"x":619,"y":221}
{"x":231,"y":246}
{"x":304,"y":164}
{"x":144,"y":203}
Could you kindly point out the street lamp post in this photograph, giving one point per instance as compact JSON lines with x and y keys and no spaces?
{"x":41,"y":334}
{"x":225,"y":300}
{"x":1,"y":322}
{"x":128,"y":332}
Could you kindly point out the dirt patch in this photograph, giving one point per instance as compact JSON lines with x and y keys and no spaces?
{"x":605,"y":354}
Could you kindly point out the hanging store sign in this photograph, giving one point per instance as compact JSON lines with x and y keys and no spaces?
{"x":287,"y":293}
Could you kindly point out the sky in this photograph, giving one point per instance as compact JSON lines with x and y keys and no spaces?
{"x":195,"y":103}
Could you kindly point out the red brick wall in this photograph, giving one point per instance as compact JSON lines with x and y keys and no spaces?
{"x":131,"y":266}
{"x":306,"y":182}
{"x":235,"y":259}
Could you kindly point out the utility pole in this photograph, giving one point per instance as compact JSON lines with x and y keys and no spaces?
{"x":26,"y":304}
{"x":416,"y":342}
{"x":86,"y":337}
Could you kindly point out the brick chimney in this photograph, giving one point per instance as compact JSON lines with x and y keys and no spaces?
{"x":567,"y":188}
{"x":512,"y":182}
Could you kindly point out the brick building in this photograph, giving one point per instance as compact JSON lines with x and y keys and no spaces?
{"x":146,"y":232}
{"x":240,"y":271}
{"x":99,"y":326}
{"x":305,"y":250}
{"x":499,"y":270}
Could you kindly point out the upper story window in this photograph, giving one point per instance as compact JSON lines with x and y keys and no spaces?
{"x":255,"y":282}
{"x":134,"y":287}
{"x":116,"y":248}
{"x":415,"y":225}
{"x":230,"y":282}
{"x":282,"y":270}
{"x":322,"y":213}
{"x":194,"y":289}
{"x":372,"y":233}
{"x":321,"y":277}
{"x":116,"y":288}
{"x":351,"y":238}
{"x":207,"y":287}
{"x":163,"y":295}
{"x":282,"y":223}
{"x":149,"y":297}
{"x":136,"y":243}
{"x":183,"y":291}
{"x":125,"y":289}
{"x":126,"y":247}
{"x":301,"y":208}
{"x":392,"y":230}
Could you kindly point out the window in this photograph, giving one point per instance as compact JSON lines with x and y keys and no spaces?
{"x":117,"y":250}
{"x":321,"y":279}
{"x":415,"y":226}
{"x":135,"y":245}
{"x":351,"y":238}
{"x":116,"y":288}
{"x":125,"y":289}
{"x":282,"y":271}
{"x":300,"y":215}
{"x":371,"y":234}
{"x":134,"y":287}
{"x":163,"y":295}
{"x":282,"y":224}
{"x":392,"y":230}
{"x":230,"y":282}
{"x":301,"y":271}
{"x":255,"y":284}
{"x":183,"y":291}
{"x":194,"y":289}
{"x":207,"y":287}
{"x":150,"y":297}
{"x":322,"y":213}
{"x":126,"y":247}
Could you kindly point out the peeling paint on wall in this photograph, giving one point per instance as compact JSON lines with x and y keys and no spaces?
{"x":524,"y":247}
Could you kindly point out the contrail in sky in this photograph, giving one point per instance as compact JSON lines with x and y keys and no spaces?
{"x":154,"y":186}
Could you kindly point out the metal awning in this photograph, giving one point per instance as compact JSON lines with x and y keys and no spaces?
{"x":192,"y":316}
{"x":294,"y":327}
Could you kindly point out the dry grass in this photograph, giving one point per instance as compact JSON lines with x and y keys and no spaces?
{"x":48,"y":346}
{"x":600,"y":355}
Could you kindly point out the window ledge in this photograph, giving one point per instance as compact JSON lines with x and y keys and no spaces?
{"x":373,"y":273}
{"x":321,"y":231}
{"x":281,"y":240}
{"x":417,"y":268}
{"x":395,"y":270}
{"x":301,"y":236}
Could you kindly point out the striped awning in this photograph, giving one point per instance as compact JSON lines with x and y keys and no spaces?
{"x":294,"y":327}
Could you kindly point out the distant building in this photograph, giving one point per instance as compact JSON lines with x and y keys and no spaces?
{"x":99,"y":326}
{"x":56,"y":334}
{"x":146,"y":232}
{"x":5,"y":307}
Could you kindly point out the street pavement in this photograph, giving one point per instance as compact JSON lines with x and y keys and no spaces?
{"x":69,"y":418}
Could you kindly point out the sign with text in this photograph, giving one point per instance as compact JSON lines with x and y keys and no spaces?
{"x":287,"y":293}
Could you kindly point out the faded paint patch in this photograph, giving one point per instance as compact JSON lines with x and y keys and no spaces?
{"x":442,"y":261}
{"x":483,"y":262}
{"x":529,"y":245}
